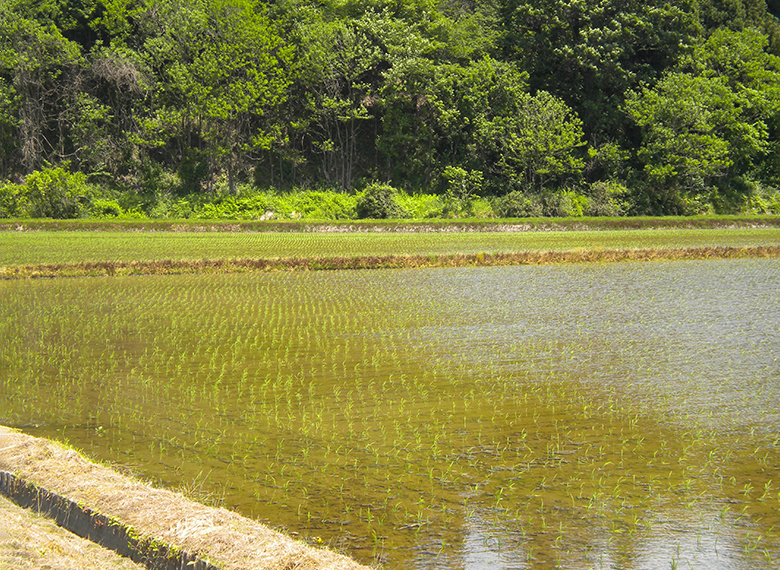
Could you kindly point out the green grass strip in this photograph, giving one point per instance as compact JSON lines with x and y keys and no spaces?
{"x":28,"y":248}
{"x":433,"y":225}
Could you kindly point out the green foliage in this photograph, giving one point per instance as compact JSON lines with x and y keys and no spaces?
{"x":608,"y":198}
{"x":52,"y":192}
{"x":269,"y":205}
{"x":317,"y":205}
{"x":764,"y":201}
{"x":706,"y":129}
{"x":40,"y":71}
{"x":538,"y":143}
{"x":378,"y":201}
{"x":517,"y":204}
{"x":13,"y":202}
{"x":161,"y":100}
{"x":420,"y":206}
{"x":462,"y":186}
{"x":589,"y":53}
{"x":564,"y":204}
{"x":103,"y":208}
{"x":221,"y":70}
{"x":341,"y":74}
{"x":479,"y":118}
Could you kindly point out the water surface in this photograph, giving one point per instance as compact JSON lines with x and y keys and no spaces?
{"x":600,"y":416}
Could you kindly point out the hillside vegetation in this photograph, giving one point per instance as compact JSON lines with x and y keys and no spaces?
{"x":378,"y":109}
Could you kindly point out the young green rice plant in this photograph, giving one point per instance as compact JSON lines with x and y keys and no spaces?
{"x":295,"y":386}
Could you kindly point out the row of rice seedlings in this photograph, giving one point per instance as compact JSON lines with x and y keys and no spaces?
{"x":333,"y":413}
{"x":20,"y":248}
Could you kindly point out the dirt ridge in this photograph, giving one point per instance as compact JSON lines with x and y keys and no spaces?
{"x":98,"y":528}
{"x":160,"y":527}
{"x":239,"y":265}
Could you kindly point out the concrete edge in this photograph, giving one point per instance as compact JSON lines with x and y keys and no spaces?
{"x":98,"y":528}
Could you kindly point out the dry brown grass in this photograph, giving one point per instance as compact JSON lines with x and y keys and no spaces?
{"x":173,"y":266}
{"x":30,"y":542}
{"x":224,"y":538}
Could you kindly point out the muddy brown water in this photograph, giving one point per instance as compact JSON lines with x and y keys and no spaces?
{"x":605,"y":416}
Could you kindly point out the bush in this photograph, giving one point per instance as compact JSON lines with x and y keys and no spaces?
{"x":13,"y":201}
{"x":49,"y":193}
{"x":419,"y":206}
{"x":765,"y":201}
{"x":170,"y":208}
{"x":265,"y":205}
{"x":462,"y":186}
{"x":102,"y":208}
{"x":378,"y":201}
{"x":516,"y":204}
{"x":565,"y":204}
{"x":608,"y":198}
{"x":321,"y":205}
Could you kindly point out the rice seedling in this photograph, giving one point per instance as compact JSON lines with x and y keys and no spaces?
{"x":110,"y":253}
{"x":565,"y":414}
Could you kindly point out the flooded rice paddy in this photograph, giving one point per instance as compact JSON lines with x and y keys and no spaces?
{"x":587,"y":416}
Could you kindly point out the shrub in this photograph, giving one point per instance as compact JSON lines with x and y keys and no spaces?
{"x":565,"y":204}
{"x":13,"y":201}
{"x":517,"y":204}
{"x":102,"y":208}
{"x":167,"y":207}
{"x":378,"y":201}
{"x":419,"y":206}
{"x":765,"y":201}
{"x":608,"y":198}
{"x":49,"y":193}
{"x":323,"y":205}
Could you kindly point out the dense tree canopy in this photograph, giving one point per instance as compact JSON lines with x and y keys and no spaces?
{"x":676,"y":104}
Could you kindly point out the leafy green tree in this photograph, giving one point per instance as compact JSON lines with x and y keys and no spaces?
{"x":8,"y":126}
{"x":342,"y":70}
{"x":481,"y":118}
{"x":433,"y":114}
{"x":706,"y":130}
{"x":106,"y":118}
{"x":462,"y":185}
{"x":220,"y":70}
{"x":41,"y":74}
{"x":537,"y":143}
{"x":732,"y":14}
{"x":342,"y":118}
{"x":589,"y":52}
{"x":239,"y":75}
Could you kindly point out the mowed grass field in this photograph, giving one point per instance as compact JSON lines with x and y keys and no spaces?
{"x":45,"y":247}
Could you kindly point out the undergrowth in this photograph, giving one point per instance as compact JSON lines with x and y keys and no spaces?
{"x":56,"y":193}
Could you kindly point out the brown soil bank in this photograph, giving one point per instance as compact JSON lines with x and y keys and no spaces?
{"x":163,"y":529}
{"x":175,"y":267}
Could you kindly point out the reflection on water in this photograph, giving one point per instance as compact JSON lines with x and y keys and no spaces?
{"x":705,"y":336}
{"x":600,"y":416}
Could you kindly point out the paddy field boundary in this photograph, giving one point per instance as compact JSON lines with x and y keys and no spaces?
{"x":52,"y":248}
{"x":158,"y":529}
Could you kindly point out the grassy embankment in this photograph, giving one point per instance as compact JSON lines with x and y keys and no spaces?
{"x":82,"y":247}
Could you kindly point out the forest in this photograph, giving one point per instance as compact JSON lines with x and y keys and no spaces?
{"x":545,"y":107}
